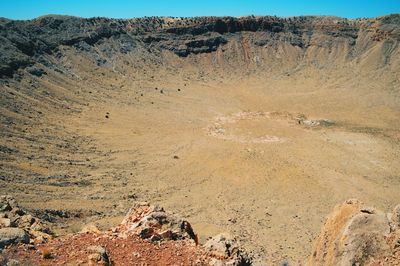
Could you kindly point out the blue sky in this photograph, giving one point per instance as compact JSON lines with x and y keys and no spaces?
{"x":28,"y":9}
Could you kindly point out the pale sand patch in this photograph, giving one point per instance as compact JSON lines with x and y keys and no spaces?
{"x":219,"y":128}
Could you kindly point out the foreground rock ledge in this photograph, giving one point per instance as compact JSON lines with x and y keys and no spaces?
{"x":148,"y":235}
{"x":353,"y":234}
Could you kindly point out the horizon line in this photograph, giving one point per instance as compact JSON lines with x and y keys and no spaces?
{"x":201,"y":16}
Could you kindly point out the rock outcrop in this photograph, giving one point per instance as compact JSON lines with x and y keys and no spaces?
{"x":17,"y":225}
{"x":357,"y":235}
{"x":154,"y":223}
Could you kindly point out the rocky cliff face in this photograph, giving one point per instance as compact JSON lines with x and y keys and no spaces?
{"x":24,"y":43}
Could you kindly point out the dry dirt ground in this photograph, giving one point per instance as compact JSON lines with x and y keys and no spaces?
{"x":71,"y":250}
{"x":227,"y":153}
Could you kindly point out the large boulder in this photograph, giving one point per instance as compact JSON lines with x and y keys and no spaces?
{"x":11,"y":235}
{"x":226,"y":251}
{"x":154,"y":223}
{"x":98,"y":256}
{"x":364,"y":238}
{"x":356,"y":235}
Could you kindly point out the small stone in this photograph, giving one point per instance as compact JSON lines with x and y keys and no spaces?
{"x":5,"y":222}
{"x":136,"y":254}
{"x":98,"y":256}
{"x":26,"y":220}
{"x":90,"y":228}
{"x":17,"y":211}
{"x":94,"y":258}
{"x":156,"y":238}
{"x":10,"y":236}
{"x":13,"y":262}
{"x":5,"y":207}
{"x":39,"y":226}
{"x":40,"y":236}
